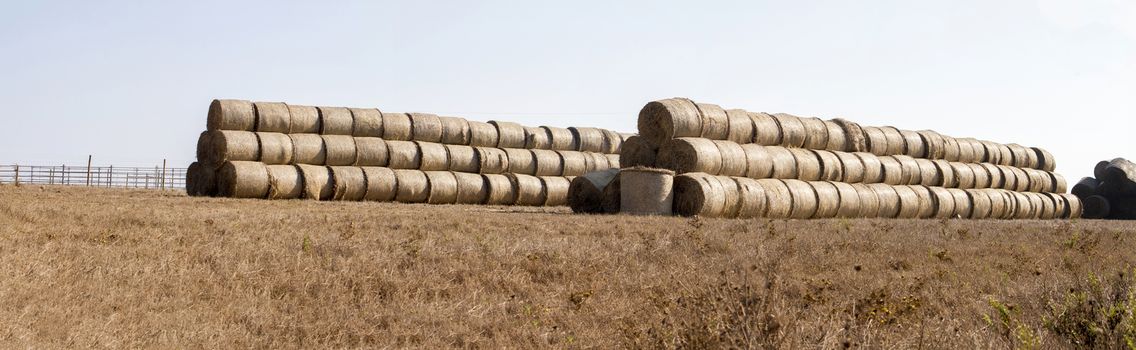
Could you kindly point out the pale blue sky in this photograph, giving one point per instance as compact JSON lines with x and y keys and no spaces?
{"x":130,"y":81}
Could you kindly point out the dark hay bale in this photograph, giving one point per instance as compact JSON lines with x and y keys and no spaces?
{"x":637,"y":152}
{"x":201,"y":180}
{"x":1088,"y":186}
{"x":585,"y":193}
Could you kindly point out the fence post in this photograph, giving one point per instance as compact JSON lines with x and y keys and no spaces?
{"x":163,"y":174}
{"x":88,"y":170}
{"x":110,"y":177}
{"x":17,"y":182}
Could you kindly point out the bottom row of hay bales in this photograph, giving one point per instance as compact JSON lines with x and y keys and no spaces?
{"x":350,"y":183}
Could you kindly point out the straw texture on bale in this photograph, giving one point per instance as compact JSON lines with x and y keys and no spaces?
{"x":928,"y":173}
{"x":500,"y":190}
{"x":593,"y":161}
{"x":910,"y":172}
{"x":636,"y":151}
{"x":371,"y":151}
{"x":831,"y":168}
{"x":849,"y":200}
{"x":455,"y":131}
{"x":816,"y":133}
{"x":1047,"y":206}
{"x":1021,"y":180}
{"x":855,"y":139}
{"x":367,"y":122}
{"x":950,"y":149}
{"x":759,"y":163}
{"x":509,"y":134}
{"x":463,"y":159}
{"x":731,"y":195}
{"x":946,"y":173}
{"x":646,"y":191}
{"x":715,"y":123}
{"x":910,"y":205}
{"x":520,"y":161}
{"x":284,"y":182}
{"x":382,"y":185}
{"x":964,"y":175}
{"x":219,"y":146}
{"x":965,"y":151}
{"x":1007,"y":157}
{"x":397,"y":127}
{"x":669,"y":118}
{"x":733,"y":158}
{"x":999,"y":206}
{"x":828,"y":199}
{"x":808,"y":165}
{"x":980,"y":204}
{"x":873,"y":168}
{"x":751,"y":198}
{"x":443,"y":187}
{"x":804,"y":199}
{"x":869,"y":202}
{"x":493,"y":160}
{"x":304,"y":120}
{"x":851,"y":166}
{"x":1025,"y":206}
{"x":555,"y":190}
{"x":1024,"y":157}
{"x":529,"y":189}
{"x":977,"y":151}
{"x":837,"y":139}
{"x":1060,"y":207}
{"x":317,"y":182}
{"x":242,"y":180}
{"x":877,"y":141}
{"x":996,"y":178}
{"x":413,"y":186}
{"x":612,"y":160}
{"x":472,"y":188}
{"x":340,"y":149}
{"x":942,"y":203}
{"x":350,"y":183}
{"x":933,"y":144}
{"x":403,"y":155}
{"x":585,"y":193}
{"x":573,"y":163}
{"x":926,"y":201}
{"x":1038,"y":180}
{"x":612,"y":194}
{"x":588,"y":139}
{"x":272,"y":117}
{"x":1074,"y":206}
{"x":688,"y":155}
{"x":537,"y":138}
{"x":896,"y":144}
{"x":562,"y":139}
{"x":435,"y":157}
{"x":766,"y":130}
{"x":698,"y":194}
{"x":741,"y":126}
{"x":482,"y":134}
{"x":784,"y":163}
{"x":963,"y":206}
{"x":779,"y":201}
{"x":1059,"y":184}
{"x":200,"y":180}
{"x":237,"y":115}
{"x":547,"y":163}
{"x":336,"y":121}
{"x":892,"y":171}
{"x":308,"y":149}
{"x":612,"y":143}
{"x":1045,"y":160}
{"x":425,"y":127}
{"x":1088,"y":186}
{"x":981,"y":175}
{"x":916,"y":147}
{"x":792,"y":130}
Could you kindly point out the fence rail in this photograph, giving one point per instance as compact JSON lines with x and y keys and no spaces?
{"x":94,"y":176}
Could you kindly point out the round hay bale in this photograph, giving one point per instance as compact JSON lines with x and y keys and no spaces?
{"x":413,"y":186}
{"x":996,"y":178}
{"x":869,"y":203}
{"x":546,"y":163}
{"x":732,"y":196}
{"x":911,"y":174}
{"x":943,"y":203}
{"x":1038,"y":180}
{"x":1060,"y":207}
{"x":808,"y":165}
{"x":877,"y":141}
{"x":933,"y":142}
{"x":646,"y":191}
{"x":472,"y":188}
{"x":963,"y":206}
{"x":284,"y":182}
{"x":435,"y":157}
{"x":892,"y":171}
{"x":493,"y":160}
{"x":850,"y":202}
{"x":562,"y":139}
{"x":964,"y":175}
{"x":1022,"y":207}
{"x":463,"y":159}
{"x":275,"y":148}
{"x":425,"y":127}
{"x":500,"y":189}
{"x":793,"y":132}
{"x":998,"y":204}
{"x":1048,"y":206}
{"x":367,"y":122}
{"x":1088,"y":186}
{"x":928,"y":173}
{"x":201,"y":180}
{"x":1021,"y":179}
{"x":529,"y":189}
{"x":242,"y":180}
{"x":612,"y":160}
{"x":304,"y":120}
{"x":778,"y":199}
{"x":828,"y":199}
{"x":816,"y":133}
{"x":455,"y":131}
{"x":715,"y":123}
{"x":804,"y":199}
{"x":572,"y":163}
{"x":613,"y":142}
{"x":733,"y":158}
{"x":589,"y":139}
{"x":382,"y":185}
{"x":612,"y":194}
{"x":521,"y":161}
{"x":766,"y":130}
{"x":830,"y":166}
{"x":980,"y":204}
{"x":915,"y":146}
{"x":977,"y":150}
{"x":690,"y":155}
{"x":837,"y":139}
{"x":349,"y":182}
{"x":1045,"y":159}
{"x":993,"y":156}
{"x":1037,"y":205}
{"x":219,"y":146}
{"x":888,"y":199}
{"x":751,"y":198}
{"x":236,"y":115}
{"x":1009,"y":179}
{"x":740,"y":126}
{"x":981,"y":175}
{"x":950,"y":148}
{"x":946,"y":172}
{"x":759,"y":163}
{"x":272,"y":117}
{"x":371,"y":151}
{"x":555,"y":190}
{"x":537,"y":138}
{"x":1018,"y":156}
{"x":965,"y":151}
{"x":698,"y":194}
{"x":1059,"y":184}
{"x":637,"y":152}
{"x":595,"y":161}
{"x":308,"y":149}
{"x":340,"y":149}
{"x":585,"y":193}
{"x":482,"y":134}
{"x":1007,"y":155}
{"x":443,"y":187}
{"x":396,"y":127}
{"x":851,"y":167}
{"x":667,"y":119}
{"x":1074,"y":206}
{"x":855,"y":139}
{"x":896,"y":145}
{"x":873,"y":167}
{"x":910,"y":201}
{"x":317,"y":182}
{"x":926,"y":201}
{"x":1096,"y":207}
{"x":784,"y":164}
{"x":336,"y":121}
{"x":403,"y":155}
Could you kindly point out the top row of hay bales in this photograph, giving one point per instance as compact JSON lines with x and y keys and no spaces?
{"x":667,"y":119}
{"x":278,"y":117}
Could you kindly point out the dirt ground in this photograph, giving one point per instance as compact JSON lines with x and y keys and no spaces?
{"x":128,"y":269}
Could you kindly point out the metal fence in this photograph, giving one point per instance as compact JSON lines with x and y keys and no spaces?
{"x":157,"y":177}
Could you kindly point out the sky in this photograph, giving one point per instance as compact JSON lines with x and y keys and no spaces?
{"x":129,"y":82}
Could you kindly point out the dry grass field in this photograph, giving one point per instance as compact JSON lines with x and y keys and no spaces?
{"x":136,"y":269}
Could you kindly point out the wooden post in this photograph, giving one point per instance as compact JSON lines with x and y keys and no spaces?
{"x":88,"y":170}
{"x":17,"y":182}
{"x":163,"y":174}
{"x":51,"y":176}
{"x":110,"y":176}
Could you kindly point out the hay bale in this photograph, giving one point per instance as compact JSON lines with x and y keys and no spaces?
{"x":828,"y":199}
{"x":462,"y":159}
{"x":981,"y":175}
{"x":382,"y":184}
{"x":943,"y":203}
{"x":850,"y":202}
{"x":1119,"y":171}
{"x":1059,"y":184}
{"x":367,"y":122}
{"x":426,"y":127}
{"x":766,"y":130}
{"x":877,"y":141}
{"x":808,"y":165}
{"x":732,"y":196}
{"x":915,"y":146}
{"x":1074,"y":206}
{"x":910,"y":202}
{"x":585,"y":193}
{"x":698,"y":194}
{"x":284,"y":182}
{"x":933,"y":142}
{"x":740,"y":126}
{"x":911,"y":174}
{"x":493,"y":160}
{"x":946,"y":172}
{"x":413,"y":186}
{"x":219,"y":146}
{"x":236,"y":115}
{"x":993,"y":156}
{"x":1018,"y":156}
{"x":588,"y":139}
{"x":980,"y":204}
{"x":830,"y":166}
{"x":1098,"y":170}
{"x":804,"y":199}
{"x":965,"y":151}
{"x":1021,"y":179}
{"x":594,"y":161}
{"x":1096,"y":207}
{"x":759,"y":163}
{"x":1038,"y":180}
{"x":896,"y":144}
{"x":751,"y":198}
{"x":892,"y":171}
{"x":200,"y":180}
{"x":1060,"y":207}
{"x":272,"y":117}
{"x":1088,"y":186}
{"x":867,"y":201}
{"x":888,"y":199}
{"x":663,"y":120}
{"x":977,"y":150}
{"x":397,"y":127}
{"x":275,"y":148}
{"x":403,"y":155}
{"x":998,"y":204}
{"x":537,"y":138}
{"x":472,"y":188}
{"x":637,"y":152}
{"x":733,"y":158}
{"x":837,"y":139}
{"x":690,"y":155}
{"x":928,"y":173}
{"x":1022,"y":206}
{"x":964,"y":175}
{"x":612,"y":160}
{"x":371,"y":151}
{"x":613,"y":142}
{"x":646,"y":191}
{"x":1045,"y":159}
{"x":304,"y":120}
{"x":529,"y":189}
{"x":1048,"y":206}
{"x":435,"y":156}
{"x":778,"y":200}
{"x":563,"y":139}
{"x":443,"y":187}
{"x":500,"y":190}
{"x":996,"y":178}
{"x":951,"y":149}
{"x":926,"y":202}
{"x":336,"y":121}
{"x":873,"y":167}
{"x":851,"y":167}
{"x":308,"y":149}
{"x":855,"y":139}
{"x":455,"y":131}
{"x":317,"y":182}
{"x":520,"y":161}
{"x":547,"y":163}
{"x":816,"y":133}
{"x":1009,"y":179}
{"x":340,"y":149}
{"x":793,"y":132}
{"x":963,"y":206}
{"x":482,"y":134}
{"x":242,"y":180}
{"x":349,"y":182}
{"x":555,"y":190}
{"x":715,"y":123}
{"x":784,"y":164}
{"x":573,"y":163}
{"x":1007,"y":156}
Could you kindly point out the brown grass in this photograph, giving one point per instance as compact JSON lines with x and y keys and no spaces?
{"x":129,"y":269}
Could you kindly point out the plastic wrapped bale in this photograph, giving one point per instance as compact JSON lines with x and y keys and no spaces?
{"x":869,"y":202}
{"x":751,"y":198}
{"x":340,"y":149}
{"x":784,"y":164}
{"x":816,"y":133}
{"x":242,"y":180}
{"x":574,"y":163}
{"x":837,"y":139}
{"x":779,"y":201}
{"x":916,"y":147}
{"x":981,"y":175}
{"x":284,"y":182}
{"x":317,"y":182}
{"x":980,"y":204}
{"x":699,"y":194}
{"x":397,"y":127}
{"x":272,"y":117}
{"x":611,"y":196}
{"x":831,"y":169}
{"x":1088,"y":186}
{"x":562,"y":139}
{"x":766,"y":130}
{"x":304,"y":120}
{"x":588,"y":139}
{"x":928,"y":173}
{"x":637,"y":152}
{"x":585,"y":193}
{"x":808,"y":165}
{"x":855,"y":139}
{"x":350,"y":183}
{"x":741,"y":126}
{"x":555,"y":190}
{"x":403,"y":155}
{"x":759,"y":163}
{"x":667,"y":119}
{"x":646,"y":191}
{"x":873,"y":168}
{"x":828,"y":199}
{"x":216,"y":147}
{"x":933,"y":142}
{"x":942,"y":203}
{"x":382,"y":185}
{"x":463,"y":159}
{"x":493,"y":160}
{"x":690,"y":155}
{"x":455,"y":131}
{"x":500,"y":190}
{"x":852,"y":167}
{"x":366,"y":122}
{"x":371,"y":151}
{"x":804,"y":199}
{"x":336,"y":121}
{"x":472,"y":188}
{"x":521,"y":161}
{"x":413,"y":186}
{"x":537,"y":138}
{"x":1045,"y":159}
{"x":425,"y":127}
{"x":793,"y":132}
{"x":201,"y":180}
{"x":892,"y":171}
{"x":612,"y":143}
{"x":1096,"y":207}
{"x":910,"y":204}
{"x":236,"y":115}
{"x":482,"y":134}
{"x":909,"y":169}
{"x":877,"y":141}
{"x":733,"y":158}
{"x":946,"y":172}
{"x":443,"y":187}
{"x":964,"y":175}
{"x":715,"y":123}
{"x":547,"y":163}
{"x":308,"y":149}
{"x":896,"y":144}
{"x":1119,"y":171}
{"x":529,"y":189}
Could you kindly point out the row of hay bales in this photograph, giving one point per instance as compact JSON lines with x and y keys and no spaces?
{"x":1111,"y":192}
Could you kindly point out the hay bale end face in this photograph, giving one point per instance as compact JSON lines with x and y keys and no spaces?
{"x":663,"y":120}
{"x":804,"y":199}
{"x":242,"y":180}
{"x":201,"y":180}
{"x":808,"y":165}
{"x":868,"y":201}
{"x":236,"y":115}
{"x":828,"y":199}
{"x":779,"y":201}
{"x":585,"y":193}
{"x":646,"y":191}
{"x":216,"y":147}
{"x":636,"y":151}
{"x":873,"y":168}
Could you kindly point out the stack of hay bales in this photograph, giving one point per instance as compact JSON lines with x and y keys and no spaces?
{"x":735,"y":163}
{"x":1111,"y":192}
{"x":279,"y":151}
